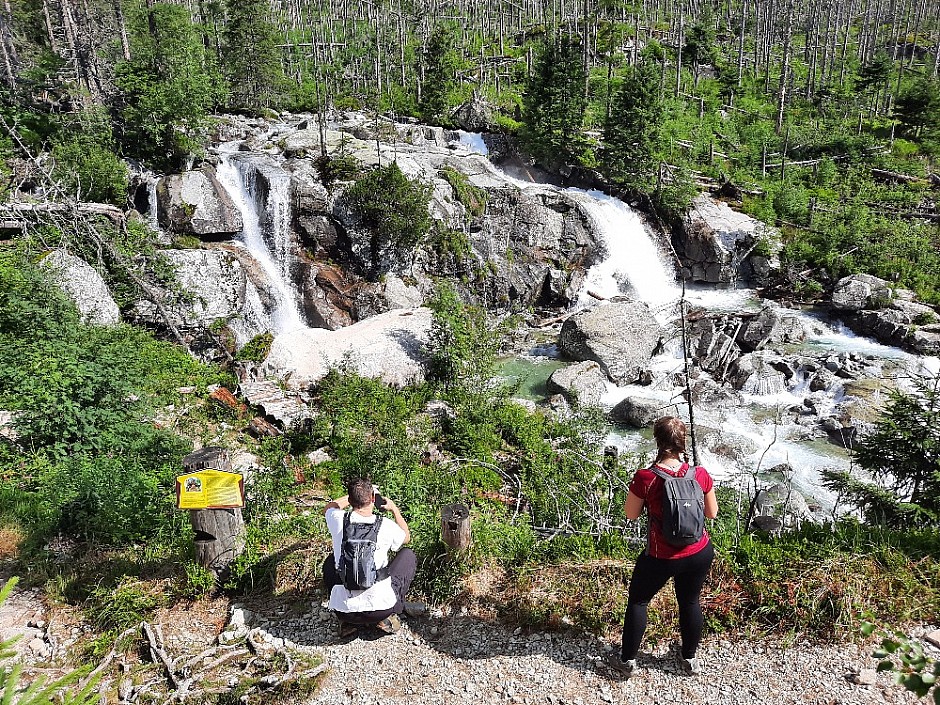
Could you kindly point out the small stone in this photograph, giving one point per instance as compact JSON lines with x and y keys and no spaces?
{"x":416,"y":609}
{"x":934,"y":638}
{"x":867,"y":676}
{"x":38,"y":647}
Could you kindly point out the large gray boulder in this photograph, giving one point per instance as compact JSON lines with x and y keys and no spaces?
{"x":476,"y":115}
{"x":84,"y":286}
{"x":584,"y":383}
{"x":195,"y":203}
{"x":718,"y":245}
{"x":639,"y":412}
{"x":390,"y":346}
{"x":211,"y":285}
{"x":871,"y":306}
{"x":771,"y":327}
{"x":860,"y":291}
{"x":621,"y":336}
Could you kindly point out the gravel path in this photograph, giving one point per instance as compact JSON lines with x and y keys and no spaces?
{"x":461,"y":660}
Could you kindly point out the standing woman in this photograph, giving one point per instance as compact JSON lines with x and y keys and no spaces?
{"x":688,"y":565}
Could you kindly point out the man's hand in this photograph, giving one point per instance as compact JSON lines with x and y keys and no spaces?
{"x":390,"y":506}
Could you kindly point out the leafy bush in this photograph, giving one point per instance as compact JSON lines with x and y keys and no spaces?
{"x":88,"y":462}
{"x":256,"y":349}
{"x":86,"y":164}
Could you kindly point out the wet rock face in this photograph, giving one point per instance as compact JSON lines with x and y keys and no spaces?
{"x":84,"y":286}
{"x":871,"y":306}
{"x":195,"y":203}
{"x":718,"y":245}
{"x":535,"y":246}
{"x":621,"y":336}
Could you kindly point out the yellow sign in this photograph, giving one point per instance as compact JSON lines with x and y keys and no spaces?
{"x":210,"y":489}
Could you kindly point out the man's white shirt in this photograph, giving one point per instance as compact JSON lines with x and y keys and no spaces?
{"x":380,"y":596}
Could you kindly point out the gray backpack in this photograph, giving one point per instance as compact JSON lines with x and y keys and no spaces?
{"x":683,"y":521}
{"x":357,"y":555}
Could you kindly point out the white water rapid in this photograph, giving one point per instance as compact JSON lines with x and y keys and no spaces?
{"x":760,"y":427}
{"x":270,"y":224}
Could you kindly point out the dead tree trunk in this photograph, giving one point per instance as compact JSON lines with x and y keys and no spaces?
{"x":455,"y":527}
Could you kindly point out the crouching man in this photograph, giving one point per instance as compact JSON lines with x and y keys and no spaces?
{"x":365,"y":588}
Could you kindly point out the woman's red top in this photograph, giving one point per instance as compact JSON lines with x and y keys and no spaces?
{"x":648,"y":487}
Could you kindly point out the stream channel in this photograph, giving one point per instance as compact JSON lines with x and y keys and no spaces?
{"x":755,"y":423}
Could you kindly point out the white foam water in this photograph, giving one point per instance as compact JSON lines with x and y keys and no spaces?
{"x":286,"y":314}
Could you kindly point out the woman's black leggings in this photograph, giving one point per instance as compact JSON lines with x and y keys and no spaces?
{"x":649,"y":577}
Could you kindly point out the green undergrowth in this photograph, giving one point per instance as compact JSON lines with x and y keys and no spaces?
{"x":87,"y":486}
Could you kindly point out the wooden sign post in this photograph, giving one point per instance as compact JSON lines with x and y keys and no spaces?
{"x":219,"y":527}
{"x":455,"y":527}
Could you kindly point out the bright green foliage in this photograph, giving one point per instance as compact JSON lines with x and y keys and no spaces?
{"x":87,"y":461}
{"x":85,"y":161}
{"x":167,"y":89}
{"x":442,"y":61}
{"x":473,"y":198}
{"x":905,"y":658}
{"x":631,"y":135}
{"x":256,"y":349}
{"x":902,"y":455}
{"x":554,"y":100}
{"x":462,"y":342}
{"x":251,"y":58}
{"x":394,"y":208}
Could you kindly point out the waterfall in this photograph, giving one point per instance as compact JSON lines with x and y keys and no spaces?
{"x":634,"y":261}
{"x":266,"y":219}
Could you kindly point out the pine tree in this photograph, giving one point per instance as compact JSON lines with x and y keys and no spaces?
{"x":441,"y":62}
{"x":554,"y":101}
{"x":250,"y":55}
{"x":918,"y":108}
{"x":631,"y":133}
{"x":168,"y":88}
{"x":902,"y":455}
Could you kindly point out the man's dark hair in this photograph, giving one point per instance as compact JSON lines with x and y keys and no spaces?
{"x":360,"y":493}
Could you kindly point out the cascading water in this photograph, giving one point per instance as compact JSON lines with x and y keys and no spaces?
{"x":759,"y":424}
{"x":241,"y":182}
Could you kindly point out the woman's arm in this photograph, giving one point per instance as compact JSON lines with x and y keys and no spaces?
{"x":711,"y":505}
{"x":633,"y":507}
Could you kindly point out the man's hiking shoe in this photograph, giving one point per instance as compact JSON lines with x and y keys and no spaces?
{"x":619,"y":666}
{"x":389,"y":625}
{"x":347,"y":629}
{"x":691,"y":666}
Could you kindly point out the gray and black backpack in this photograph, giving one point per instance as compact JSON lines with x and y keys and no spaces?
{"x":357,"y":555}
{"x":683,"y":521}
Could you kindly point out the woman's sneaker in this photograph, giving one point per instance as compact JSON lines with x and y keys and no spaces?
{"x":619,"y":666}
{"x":691,"y":666}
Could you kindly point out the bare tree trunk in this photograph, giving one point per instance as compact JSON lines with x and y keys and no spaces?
{"x":741,"y":42}
{"x":785,"y":70}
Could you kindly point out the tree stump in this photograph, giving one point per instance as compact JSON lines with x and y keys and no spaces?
{"x":455,"y":527}
{"x":220,"y":537}
{"x":219,"y":533}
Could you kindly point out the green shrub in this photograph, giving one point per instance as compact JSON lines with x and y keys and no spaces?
{"x":473,"y":198}
{"x":394,"y":208}
{"x":256,"y":349}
